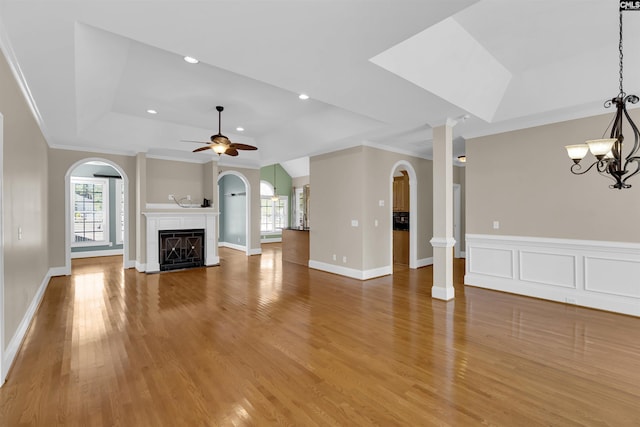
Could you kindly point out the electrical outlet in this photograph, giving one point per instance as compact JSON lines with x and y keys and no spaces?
{"x":354,"y":222}
{"x":344,"y":259}
{"x":570,"y":301}
{"x":334,"y":257}
{"x":496,"y":225}
{"x":375,"y":223}
{"x":381,"y":203}
{"x":19,"y":233}
{"x":189,"y":197}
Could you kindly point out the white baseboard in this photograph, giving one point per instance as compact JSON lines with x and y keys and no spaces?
{"x":351,"y":272}
{"x":424,"y":262}
{"x":140,"y":267}
{"x":91,"y":254}
{"x":594,"y":274}
{"x":59,"y":271}
{"x":271,"y":240}
{"x":255,"y":251}
{"x":444,"y":294}
{"x":130,"y":263}
{"x":232,"y":246}
{"x":16,"y":341}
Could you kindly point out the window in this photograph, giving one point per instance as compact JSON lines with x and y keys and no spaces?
{"x":89,"y":199}
{"x":120,"y":212}
{"x":273,"y":213}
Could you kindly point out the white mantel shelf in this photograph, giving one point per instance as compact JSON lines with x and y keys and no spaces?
{"x":181,"y":219}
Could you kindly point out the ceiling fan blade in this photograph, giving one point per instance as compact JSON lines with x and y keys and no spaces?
{"x":206,"y":147}
{"x":231,"y":152}
{"x":243,"y":146}
{"x":197,"y":142}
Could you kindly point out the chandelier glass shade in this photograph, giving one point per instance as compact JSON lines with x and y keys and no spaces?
{"x":611,"y":159}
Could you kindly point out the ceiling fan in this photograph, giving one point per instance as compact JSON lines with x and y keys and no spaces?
{"x":220,"y":143}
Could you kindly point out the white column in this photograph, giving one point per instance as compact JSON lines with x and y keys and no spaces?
{"x":443,"y":240}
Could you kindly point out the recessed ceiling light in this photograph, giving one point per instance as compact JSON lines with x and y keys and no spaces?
{"x":303,"y":96}
{"x":152,"y":112}
{"x":240,"y":129}
{"x":191,"y":60}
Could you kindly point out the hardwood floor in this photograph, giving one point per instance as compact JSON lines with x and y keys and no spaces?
{"x":256,"y":342}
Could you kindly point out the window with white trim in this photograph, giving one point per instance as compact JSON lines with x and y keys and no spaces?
{"x":273,"y":211}
{"x":90,"y":207}
{"x":120,"y":211}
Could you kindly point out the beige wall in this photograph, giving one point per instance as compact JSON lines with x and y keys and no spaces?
{"x":60,"y":161}
{"x":300,"y":181}
{"x":522,"y":179}
{"x":348,"y":185}
{"x":24,"y":203}
{"x":166,"y":177}
{"x":337,"y":195}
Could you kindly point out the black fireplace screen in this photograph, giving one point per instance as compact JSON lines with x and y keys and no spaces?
{"x":181,"y":249}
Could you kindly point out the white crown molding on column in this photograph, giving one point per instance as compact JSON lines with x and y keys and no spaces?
{"x":443,"y":242}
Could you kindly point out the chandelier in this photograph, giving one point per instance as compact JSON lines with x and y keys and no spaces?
{"x":610,"y":161}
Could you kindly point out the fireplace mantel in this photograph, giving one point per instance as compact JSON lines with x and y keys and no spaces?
{"x":182,"y":219}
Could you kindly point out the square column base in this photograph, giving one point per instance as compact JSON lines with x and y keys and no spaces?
{"x":441,"y":293}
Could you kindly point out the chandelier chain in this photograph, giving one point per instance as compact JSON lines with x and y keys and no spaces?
{"x":621,"y":56}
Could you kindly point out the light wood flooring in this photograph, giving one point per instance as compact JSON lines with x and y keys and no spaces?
{"x":258,"y":343}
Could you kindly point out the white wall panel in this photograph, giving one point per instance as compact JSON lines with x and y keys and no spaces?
{"x":597,"y":274}
{"x":492,"y":261}
{"x":548,"y":268}
{"x":612,"y":276}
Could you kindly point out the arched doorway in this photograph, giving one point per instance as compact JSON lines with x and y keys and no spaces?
{"x":234,"y":204}
{"x":122,"y":223}
{"x":404,"y":168}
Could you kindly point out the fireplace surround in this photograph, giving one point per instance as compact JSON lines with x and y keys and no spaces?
{"x":186,"y":219}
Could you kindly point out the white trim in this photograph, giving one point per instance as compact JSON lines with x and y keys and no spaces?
{"x":456,"y":219}
{"x":59,"y":271}
{"x":351,"y":272}
{"x":140,"y":267}
{"x":442,"y":242}
{"x":255,"y":251}
{"x":91,"y":254}
{"x":119,"y":198}
{"x":13,"y":347}
{"x":441,"y":293}
{"x":67,"y":213}
{"x":425,"y":262}
{"x":463,"y":254}
{"x":174,"y":206}
{"x":130,"y":264}
{"x":270,"y":239}
{"x":596,"y":274}
{"x":233,"y":246}
{"x":247,"y":186}
{"x":413,"y":212}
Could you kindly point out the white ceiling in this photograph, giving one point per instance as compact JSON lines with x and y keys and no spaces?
{"x":379,"y":72}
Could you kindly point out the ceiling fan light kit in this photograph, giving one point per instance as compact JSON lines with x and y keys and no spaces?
{"x":220,"y":144}
{"x":610,"y":160}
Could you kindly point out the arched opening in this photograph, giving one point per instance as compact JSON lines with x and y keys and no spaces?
{"x":96,"y":211}
{"x":234,"y":204}
{"x":404,"y":213}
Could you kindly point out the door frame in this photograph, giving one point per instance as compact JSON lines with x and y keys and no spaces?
{"x":247,"y":219}
{"x":456,"y":220}
{"x":413,"y":212}
{"x":67,"y":212}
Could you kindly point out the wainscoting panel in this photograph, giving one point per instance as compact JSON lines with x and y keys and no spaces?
{"x":598,"y":273}
{"x":548,"y":268}
{"x":602,"y":275}
{"x":492,"y":261}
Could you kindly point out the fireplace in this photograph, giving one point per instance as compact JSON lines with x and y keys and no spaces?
{"x":183,"y":220}
{"x":181,"y":249}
